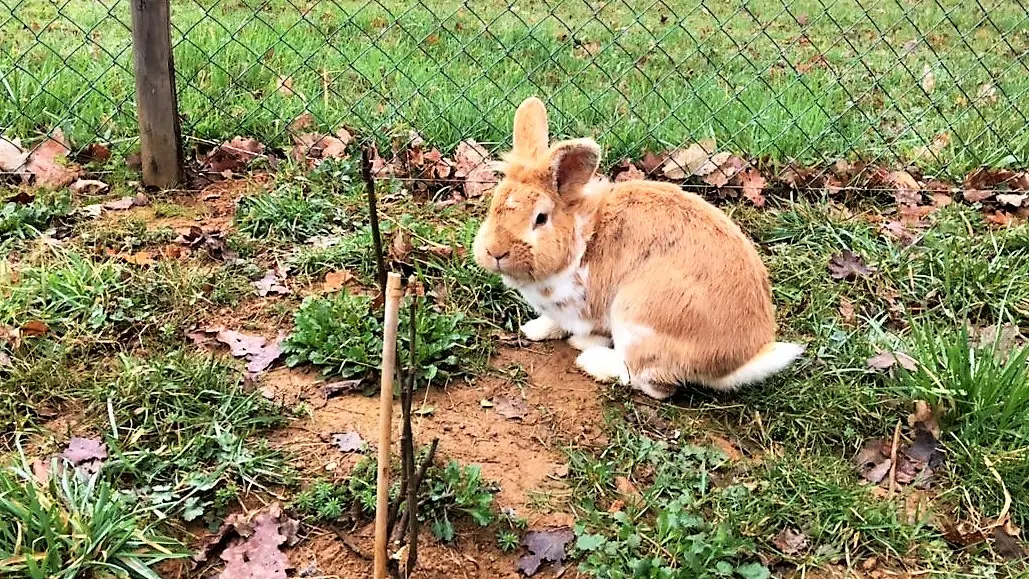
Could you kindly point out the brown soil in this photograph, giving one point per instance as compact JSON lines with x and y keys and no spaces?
{"x":521,"y":455}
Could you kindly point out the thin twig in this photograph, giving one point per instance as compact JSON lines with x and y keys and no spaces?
{"x":412,"y":485}
{"x":893,"y":458}
{"x":373,"y":215}
{"x":419,"y":477}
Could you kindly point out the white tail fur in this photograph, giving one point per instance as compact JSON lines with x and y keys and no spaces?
{"x":771,"y":359}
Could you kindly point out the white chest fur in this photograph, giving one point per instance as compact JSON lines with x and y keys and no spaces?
{"x":562,"y":298}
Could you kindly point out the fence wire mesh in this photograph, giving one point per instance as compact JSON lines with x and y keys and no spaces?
{"x":936,"y":86}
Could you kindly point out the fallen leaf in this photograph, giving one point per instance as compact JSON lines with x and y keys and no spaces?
{"x":725,"y":171}
{"x":790,"y":541}
{"x":472,"y":164}
{"x":1001,"y":339}
{"x":271,"y":283}
{"x":233,"y":155}
{"x":335,"y":280}
{"x":333,"y":389}
{"x":907,"y":190}
{"x":901,"y":232}
{"x":753,"y":184}
{"x":121,"y":204}
{"x":928,"y":80}
{"x":34,"y":329}
{"x":241,"y":344}
{"x":142,"y":257}
{"x":999,"y":218}
{"x":314,"y":148}
{"x":627,"y":171}
{"x":96,"y":153}
{"x":267,"y":355}
{"x":1006,"y":543}
{"x":1012,"y":199}
{"x":401,"y":246}
{"x":698,"y":159}
{"x":88,"y":187}
{"x":257,"y":556}
{"x":12,"y":156}
{"x":511,"y":407}
{"x":651,"y":162}
{"x":886,"y":360}
{"x":544,"y":546}
{"x":848,"y":265}
{"x":348,"y":441}
{"x":48,"y":162}
{"x":977,"y":195}
{"x":727,"y":448}
{"x":846,"y":310}
{"x":85,"y":454}
{"x":5,"y":360}
{"x":924,"y":417}
{"x":988,"y":178}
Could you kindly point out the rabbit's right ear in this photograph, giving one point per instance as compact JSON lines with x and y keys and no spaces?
{"x":530,"y":128}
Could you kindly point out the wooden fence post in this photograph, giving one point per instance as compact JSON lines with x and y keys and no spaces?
{"x":156,"y":101}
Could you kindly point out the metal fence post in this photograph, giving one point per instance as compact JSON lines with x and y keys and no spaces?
{"x":156,"y":100}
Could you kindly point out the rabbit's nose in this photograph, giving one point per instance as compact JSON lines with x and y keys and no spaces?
{"x":494,"y":254}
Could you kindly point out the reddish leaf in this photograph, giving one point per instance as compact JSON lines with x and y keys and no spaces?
{"x":627,"y":171}
{"x":720,"y":176}
{"x":86,"y":454}
{"x":472,"y":164}
{"x":233,"y":155}
{"x":49,"y":162}
{"x":335,"y":280}
{"x":34,"y":329}
{"x":753,"y":185}
{"x":650,"y":162}
{"x":96,"y":153}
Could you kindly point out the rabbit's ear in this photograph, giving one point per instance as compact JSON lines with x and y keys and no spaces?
{"x":573,"y":163}
{"x":530,"y":128}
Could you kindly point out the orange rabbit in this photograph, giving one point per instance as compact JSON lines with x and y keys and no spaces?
{"x":654,"y":285}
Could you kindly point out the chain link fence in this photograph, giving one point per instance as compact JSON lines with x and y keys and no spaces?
{"x":938,"y":87}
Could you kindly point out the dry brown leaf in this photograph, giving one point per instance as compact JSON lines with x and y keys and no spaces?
{"x":97,"y":153}
{"x":273,"y":282}
{"x":886,"y":360}
{"x":928,"y":80}
{"x":472,"y":164}
{"x":233,"y":155}
{"x":34,"y":329}
{"x":753,"y":184}
{"x":790,"y":541}
{"x":726,"y":447}
{"x":924,"y":417}
{"x":335,"y":280}
{"x":1012,"y":199}
{"x":696,"y":159}
{"x":142,"y":257}
{"x":12,"y":156}
{"x":627,"y":171}
{"x":49,"y":163}
{"x":847,"y":310}
{"x":88,"y":187}
{"x":725,"y":171}
{"x":908,"y":191}
{"x":401,"y":246}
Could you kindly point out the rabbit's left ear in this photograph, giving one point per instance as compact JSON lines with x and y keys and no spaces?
{"x":530,"y":128}
{"x":573,"y":163}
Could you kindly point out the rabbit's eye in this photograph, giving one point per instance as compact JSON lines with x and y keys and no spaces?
{"x":541,"y":219}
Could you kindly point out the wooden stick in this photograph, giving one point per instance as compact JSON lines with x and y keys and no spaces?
{"x":893,"y":459}
{"x":389,"y":360}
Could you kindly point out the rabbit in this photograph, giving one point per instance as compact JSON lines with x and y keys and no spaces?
{"x":654,"y":285}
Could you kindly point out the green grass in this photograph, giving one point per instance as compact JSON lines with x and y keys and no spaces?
{"x":650,"y":77}
{"x":74,"y":526}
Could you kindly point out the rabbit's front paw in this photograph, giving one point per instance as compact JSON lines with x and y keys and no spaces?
{"x":603,"y":365}
{"x":583,"y":343}
{"x":542,"y":328}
